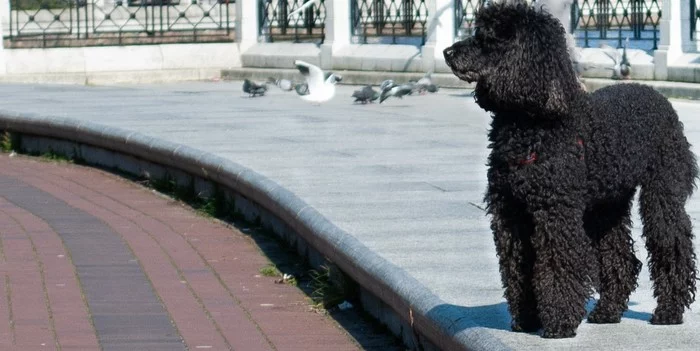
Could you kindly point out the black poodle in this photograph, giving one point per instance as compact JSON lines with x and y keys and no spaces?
{"x":563,"y":171}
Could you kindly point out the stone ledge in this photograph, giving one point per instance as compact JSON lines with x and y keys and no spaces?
{"x":677,"y":90}
{"x":115,"y":77}
{"x":89,"y":60}
{"x":280,"y":55}
{"x":599,"y":65}
{"x":378,"y":57}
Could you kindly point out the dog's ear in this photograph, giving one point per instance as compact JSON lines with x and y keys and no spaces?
{"x":537,"y":75}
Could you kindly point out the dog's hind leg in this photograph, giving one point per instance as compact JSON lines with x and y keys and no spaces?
{"x":608,"y":225}
{"x":563,"y":266}
{"x":512,"y":229}
{"x":668,"y":233}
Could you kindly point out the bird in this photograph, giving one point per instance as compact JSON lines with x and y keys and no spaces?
{"x":425,"y":84}
{"x":320,"y":89}
{"x":284,"y":84}
{"x":365,"y":95}
{"x":395,"y":90}
{"x":621,"y":68}
{"x":385,"y":84}
{"x":625,"y":66}
{"x":303,"y":7}
{"x":301,"y":88}
{"x":253,"y":89}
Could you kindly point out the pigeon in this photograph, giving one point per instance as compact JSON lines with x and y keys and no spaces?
{"x":365,"y":95}
{"x":302,"y":88}
{"x":625,"y":66}
{"x":432,"y":88}
{"x":320,"y":89}
{"x":284,"y":84}
{"x":386,"y":84}
{"x":395,"y":90}
{"x":303,"y":7}
{"x":425,"y":84}
{"x":426,"y":80}
{"x":253,"y":89}
{"x":621,"y":66}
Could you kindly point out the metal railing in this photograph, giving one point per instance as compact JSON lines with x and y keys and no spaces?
{"x":59,"y":23}
{"x":594,"y":22}
{"x":465,"y":10}
{"x":694,"y":17}
{"x":391,"y":19}
{"x":276,"y":25}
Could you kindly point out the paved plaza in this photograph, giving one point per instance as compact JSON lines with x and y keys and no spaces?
{"x":406,"y":178}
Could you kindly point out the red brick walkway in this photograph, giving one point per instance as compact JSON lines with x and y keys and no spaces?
{"x":89,"y":260}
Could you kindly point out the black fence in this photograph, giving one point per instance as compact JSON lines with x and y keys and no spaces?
{"x":59,"y":23}
{"x":464,"y":17}
{"x":309,"y":25}
{"x":593,"y":22}
{"x":694,"y":16}
{"x":613,"y":21}
{"x":395,"y":20}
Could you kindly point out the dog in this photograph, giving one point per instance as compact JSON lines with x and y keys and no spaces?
{"x":562,"y":174}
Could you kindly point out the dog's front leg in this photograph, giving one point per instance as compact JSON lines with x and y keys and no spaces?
{"x":512,"y":228}
{"x":561,"y":271}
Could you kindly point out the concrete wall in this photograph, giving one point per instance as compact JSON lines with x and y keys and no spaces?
{"x":120,"y":64}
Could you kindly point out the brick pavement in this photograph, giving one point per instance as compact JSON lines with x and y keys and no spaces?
{"x":89,"y":260}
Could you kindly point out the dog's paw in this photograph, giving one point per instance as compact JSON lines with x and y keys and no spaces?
{"x":665,"y":317}
{"x":558,"y":333}
{"x":526,"y":326}
{"x":600,"y":316}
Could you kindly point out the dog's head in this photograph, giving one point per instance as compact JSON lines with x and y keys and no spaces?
{"x":519,"y":59}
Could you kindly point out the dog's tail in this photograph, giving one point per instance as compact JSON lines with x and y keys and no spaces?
{"x":668,"y":228}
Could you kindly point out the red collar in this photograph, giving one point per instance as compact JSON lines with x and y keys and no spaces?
{"x":532,"y":157}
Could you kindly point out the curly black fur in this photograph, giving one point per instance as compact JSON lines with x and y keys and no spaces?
{"x":563,"y":170}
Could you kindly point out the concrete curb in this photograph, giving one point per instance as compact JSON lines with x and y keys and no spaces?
{"x":426,"y":314}
{"x":679,"y":90}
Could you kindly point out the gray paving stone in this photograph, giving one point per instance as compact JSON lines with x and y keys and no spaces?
{"x":405,"y":178}
{"x":125,"y":311}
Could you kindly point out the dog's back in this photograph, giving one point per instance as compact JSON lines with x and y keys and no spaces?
{"x":635,"y":134}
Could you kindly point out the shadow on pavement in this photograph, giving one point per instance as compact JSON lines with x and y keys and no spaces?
{"x":496,"y":316}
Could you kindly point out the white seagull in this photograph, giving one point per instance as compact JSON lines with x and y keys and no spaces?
{"x":321,"y":88}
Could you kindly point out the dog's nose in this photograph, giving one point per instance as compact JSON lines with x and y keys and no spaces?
{"x":448,"y":53}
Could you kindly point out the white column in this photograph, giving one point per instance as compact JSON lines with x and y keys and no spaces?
{"x":561,"y":10}
{"x":4,"y":22}
{"x":5,"y":14}
{"x":670,"y":41}
{"x":337,"y":30}
{"x":441,"y":32}
{"x":246,"y":23}
{"x":688,"y":44}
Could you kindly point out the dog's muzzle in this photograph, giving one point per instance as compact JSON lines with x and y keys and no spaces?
{"x":448,"y":54}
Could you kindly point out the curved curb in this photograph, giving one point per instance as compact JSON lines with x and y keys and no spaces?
{"x":413,"y":302}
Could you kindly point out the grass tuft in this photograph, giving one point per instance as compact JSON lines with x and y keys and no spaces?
{"x":270,"y":271}
{"x":324,"y":291}
{"x":10,"y":141}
